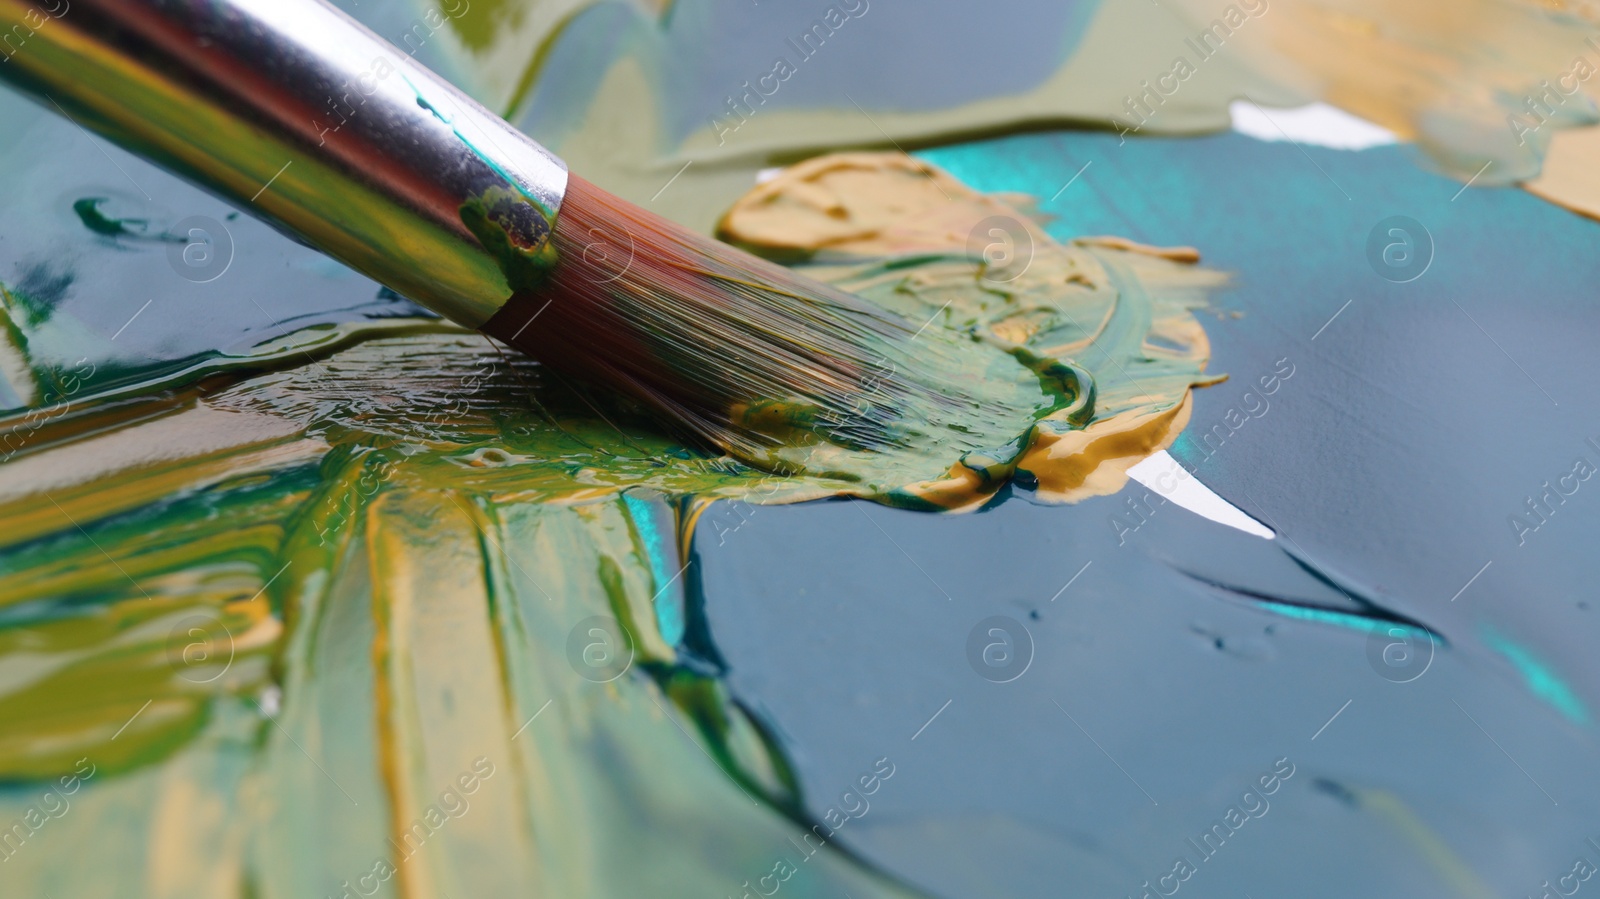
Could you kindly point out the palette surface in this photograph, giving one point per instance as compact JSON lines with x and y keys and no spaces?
{"x":300,"y":595}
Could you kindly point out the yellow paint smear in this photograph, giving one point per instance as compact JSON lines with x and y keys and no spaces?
{"x":1571,"y":174}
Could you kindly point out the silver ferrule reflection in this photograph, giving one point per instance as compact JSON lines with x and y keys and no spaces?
{"x":301,"y":116}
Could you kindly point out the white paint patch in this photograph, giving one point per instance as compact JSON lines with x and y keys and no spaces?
{"x":1164,"y":475}
{"x":1317,"y":124}
{"x":271,"y":700}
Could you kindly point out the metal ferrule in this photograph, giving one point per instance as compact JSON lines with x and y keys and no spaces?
{"x":303,"y":117}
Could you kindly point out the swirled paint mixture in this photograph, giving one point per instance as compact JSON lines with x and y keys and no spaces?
{"x":370,"y":543}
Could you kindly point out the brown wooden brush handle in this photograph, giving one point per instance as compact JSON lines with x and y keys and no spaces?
{"x":301,"y":116}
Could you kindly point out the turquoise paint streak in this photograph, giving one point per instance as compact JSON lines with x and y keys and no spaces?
{"x":1338,"y":619}
{"x":1539,"y":677}
{"x":549,"y":214}
{"x":669,"y":611}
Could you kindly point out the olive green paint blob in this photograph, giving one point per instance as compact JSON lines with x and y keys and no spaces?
{"x":515,"y":232}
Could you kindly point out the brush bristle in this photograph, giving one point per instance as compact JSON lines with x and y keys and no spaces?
{"x":704,"y":333}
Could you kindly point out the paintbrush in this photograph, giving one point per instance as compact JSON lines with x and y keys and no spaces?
{"x":298,"y":114}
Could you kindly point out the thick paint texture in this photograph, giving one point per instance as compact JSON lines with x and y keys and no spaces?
{"x":359,"y":568}
{"x":315,"y":588}
{"x":412,"y":614}
{"x":325,"y":618}
{"x":1056,"y":364}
